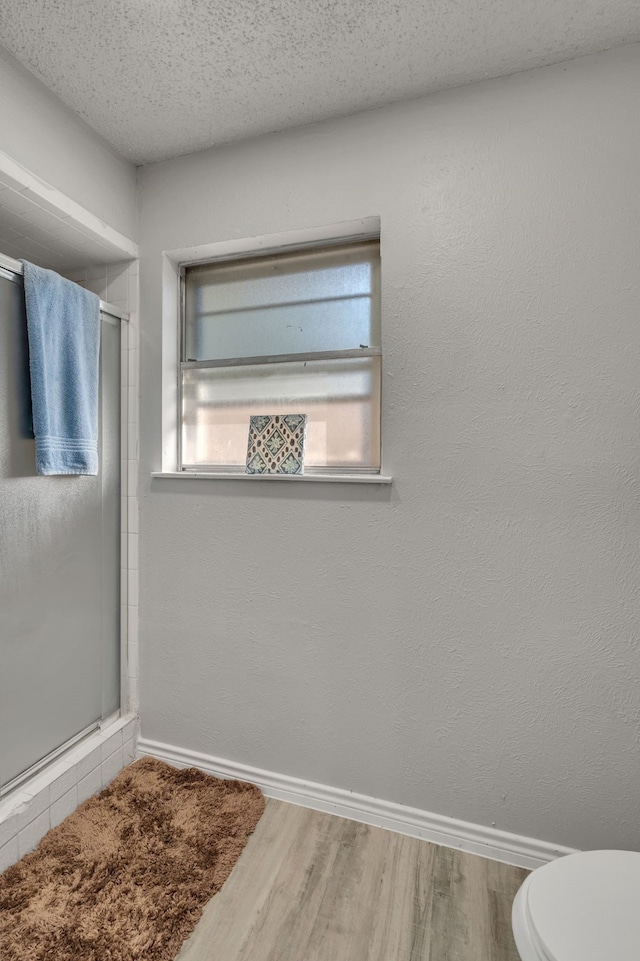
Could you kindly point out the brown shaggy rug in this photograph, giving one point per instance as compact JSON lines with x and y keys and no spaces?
{"x":126,"y":876}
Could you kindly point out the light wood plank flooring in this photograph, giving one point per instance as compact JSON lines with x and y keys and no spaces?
{"x":313,"y":887}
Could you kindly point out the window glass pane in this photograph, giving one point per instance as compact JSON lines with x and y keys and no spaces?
{"x":300,"y":302}
{"x":303,"y":328}
{"x":340,"y":397}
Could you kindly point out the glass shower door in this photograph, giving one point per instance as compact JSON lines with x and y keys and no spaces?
{"x":59,"y":567}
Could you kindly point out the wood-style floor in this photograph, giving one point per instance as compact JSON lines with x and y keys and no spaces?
{"x":314,"y":887}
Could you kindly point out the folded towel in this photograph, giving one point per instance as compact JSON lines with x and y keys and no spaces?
{"x":63,"y":326}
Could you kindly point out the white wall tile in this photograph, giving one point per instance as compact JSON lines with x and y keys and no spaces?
{"x":64,"y":806}
{"x":64,"y":783}
{"x":124,"y":402}
{"x":90,"y":785}
{"x":111,"y":735}
{"x":132,"y":514}
{"x":110,"y":746}
{"x":96,"y":272}
{"x":124,"y":686}
{"x":133,"y":295}
{"x":32,"y":834}
{"x":9,"y":828}
{"x":17,"y":201}
{"x":132,"y":442}
{"x":132,"y":404}
{"x":130,"y":730}
{"x":124,"y":439}
{"x":132,"y":624}
{"x":132,"y":587}
{"x":118,"y":283}
{"x":133,"y":366}
{"x":129,"y":752}
{"x":111,"y":766}
{"x":97,"y":285}
{"x":36,"y":804}
{"x":132,"y":543}
{"x":89,"y":763}
{"x":8,"y":854}
{"x":133,"y":659}
{"x":132,"y":478}
{"x":133,"y":333}
{"x":124,"y":368}
{"x":133,"y":692}
{"x":43,"y":780}
{"x":78,"y":276}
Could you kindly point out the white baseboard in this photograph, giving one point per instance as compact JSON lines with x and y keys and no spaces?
{"x":488,"y":842}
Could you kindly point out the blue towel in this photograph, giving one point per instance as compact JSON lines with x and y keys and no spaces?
{"x":63,"y":326}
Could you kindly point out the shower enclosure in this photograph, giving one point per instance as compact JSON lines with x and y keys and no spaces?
{"x":59,"y":566}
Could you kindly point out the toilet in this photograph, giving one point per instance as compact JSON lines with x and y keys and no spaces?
{"x":582,"y":907}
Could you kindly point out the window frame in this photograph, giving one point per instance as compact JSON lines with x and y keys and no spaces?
{"x":369,"y":473}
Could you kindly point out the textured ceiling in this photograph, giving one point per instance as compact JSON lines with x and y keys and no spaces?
{"x":159,"y":78}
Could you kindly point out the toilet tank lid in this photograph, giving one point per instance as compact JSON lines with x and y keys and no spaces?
{"x":586,"y":907}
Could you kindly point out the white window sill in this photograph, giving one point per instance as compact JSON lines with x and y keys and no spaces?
{"x":287,"y":478}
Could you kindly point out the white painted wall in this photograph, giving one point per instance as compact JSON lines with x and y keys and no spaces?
{"x":465,"y":642}
{"x":41,"y":133}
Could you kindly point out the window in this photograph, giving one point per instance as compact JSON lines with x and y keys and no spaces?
{"x":293,"y":332}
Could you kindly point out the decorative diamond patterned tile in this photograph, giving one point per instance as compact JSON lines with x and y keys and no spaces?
{"x":276,"y":444}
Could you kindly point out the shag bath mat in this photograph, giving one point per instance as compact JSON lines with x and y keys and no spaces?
{"x":126,"y":876}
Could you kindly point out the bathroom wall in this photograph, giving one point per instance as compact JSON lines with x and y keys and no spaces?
{"x":464,"y":642}
{"x":39,"y":132}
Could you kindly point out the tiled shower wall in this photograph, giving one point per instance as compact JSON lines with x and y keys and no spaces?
{"x":47,"y":799}
{"x":44,"y":801}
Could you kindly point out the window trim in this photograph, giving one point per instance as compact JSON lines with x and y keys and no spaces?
{"x":216,"y":475}
{"x":173,"y":264}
